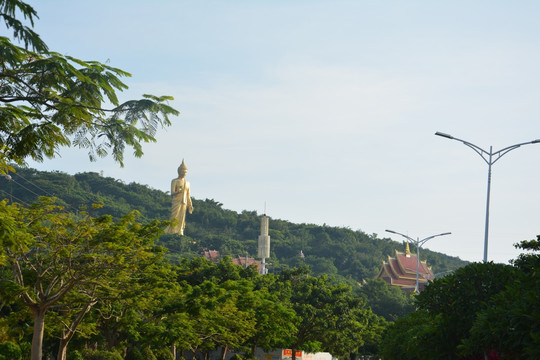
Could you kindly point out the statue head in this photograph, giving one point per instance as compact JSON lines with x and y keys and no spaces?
{"x":182,"y":169}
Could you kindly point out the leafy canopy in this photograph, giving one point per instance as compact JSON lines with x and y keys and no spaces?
{"x":49,"y":100}
{"x":67,"y":263}
{"x":510,"y":326}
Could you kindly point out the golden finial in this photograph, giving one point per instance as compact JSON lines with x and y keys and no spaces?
{"x":407,"y":250}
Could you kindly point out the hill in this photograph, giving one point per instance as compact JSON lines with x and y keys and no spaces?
{"x":341,"y":253}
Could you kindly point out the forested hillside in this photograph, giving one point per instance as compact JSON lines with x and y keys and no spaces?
{"x":339,"y":252}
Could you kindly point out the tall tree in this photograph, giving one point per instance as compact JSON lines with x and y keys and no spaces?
{"x":329,"y":317}
{"x":386,"y":300}
{"x":510,"y":326}
{"x":274,"y":316}
{"x":457,"y":298}
{"x":64,"y":262}
{"x":447,"y":308}
{"x":48,"y":100}
{"x":413,"y":337}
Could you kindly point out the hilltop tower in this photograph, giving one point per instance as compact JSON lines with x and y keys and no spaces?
{"x":264,"y":244}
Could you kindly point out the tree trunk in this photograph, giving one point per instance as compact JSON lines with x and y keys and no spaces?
{"x":62,"y":349}
{"x":67,"y":334}
{"x":224,"y":352}
{"x":293,"y":353}
{"x":253,"y":349}
{"x":37,"y":338}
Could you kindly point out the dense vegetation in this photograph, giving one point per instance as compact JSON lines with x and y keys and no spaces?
{"x":341,"y":253}
{"x":87,"y":285}
{"x":103,"y":208}
{"x":95,"y":287}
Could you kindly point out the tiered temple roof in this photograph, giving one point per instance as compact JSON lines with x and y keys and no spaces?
{"x":401,"y":271}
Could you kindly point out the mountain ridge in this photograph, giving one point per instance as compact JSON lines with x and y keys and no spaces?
{"x":340,"y":252}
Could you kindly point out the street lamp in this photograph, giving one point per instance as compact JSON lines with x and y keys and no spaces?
{"x":418,"y":244}
{"x":488,"y":158}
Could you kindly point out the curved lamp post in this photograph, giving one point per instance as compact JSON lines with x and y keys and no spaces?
{"x":490,"y":157}
{"x":418,"y":244}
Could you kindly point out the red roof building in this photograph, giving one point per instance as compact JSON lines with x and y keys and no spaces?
{"x":213,"y":256}
{"x":246,"y":261}
{"x":401,"y":271}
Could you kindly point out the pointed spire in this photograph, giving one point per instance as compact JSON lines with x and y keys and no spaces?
{"x":407,"y":250}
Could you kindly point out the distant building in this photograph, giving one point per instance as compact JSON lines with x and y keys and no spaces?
{"x":212,"y":255}
{"x":401,"y":271}
{"x":244,"y":261}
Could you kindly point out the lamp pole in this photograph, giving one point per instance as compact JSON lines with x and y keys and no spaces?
{"x":418,"y":244}
{"x":490,"y":158}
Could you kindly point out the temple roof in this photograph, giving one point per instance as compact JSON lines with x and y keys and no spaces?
{"x":241,"y":260}
{"x":400,"y":270}
{"x":212,"y":255}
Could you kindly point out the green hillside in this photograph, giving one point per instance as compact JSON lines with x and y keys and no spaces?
{"x":339,"y":252}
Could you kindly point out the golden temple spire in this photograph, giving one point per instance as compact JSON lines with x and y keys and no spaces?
{"x":407,"y":250}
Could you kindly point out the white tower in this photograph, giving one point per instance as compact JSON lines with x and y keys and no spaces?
{"x":264,"y":244}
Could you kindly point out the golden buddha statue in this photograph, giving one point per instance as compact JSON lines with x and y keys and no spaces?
{"x":181,"y":201}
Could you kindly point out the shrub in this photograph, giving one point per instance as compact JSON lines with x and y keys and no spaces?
{"x":75,"y":355}
{"x":10,"y":351}
{"x":134,"y":354}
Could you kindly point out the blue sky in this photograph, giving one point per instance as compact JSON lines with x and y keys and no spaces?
{"x":326,"y":110}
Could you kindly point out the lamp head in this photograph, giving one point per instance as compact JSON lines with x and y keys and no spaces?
{"x":535,"y":141}
{"x":444,"y":135}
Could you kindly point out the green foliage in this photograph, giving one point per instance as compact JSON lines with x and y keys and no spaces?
{"x":480,"y":311}
{"x":447,"y":311}
{"x":75,"y":355}
{"x":340,"y":252}
{"x":328,"y":316}
{"x":101,"y":355}
{"x":460,"y":296}
{"x":412,"y":338}
{"x":511,"y":324}
{"x":134,"y":354}
{"x":48,"y":100}
{"x":347,"y":256}
{"x":66,"y":263}
{"x":238,"y":357}
{"x":385,"y":300}
{"x":10,"y":351}
{"x":199,"y":305}
{"x":9,"y":10}
{"x":163,"y":354}
{"x":148,"y":354}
